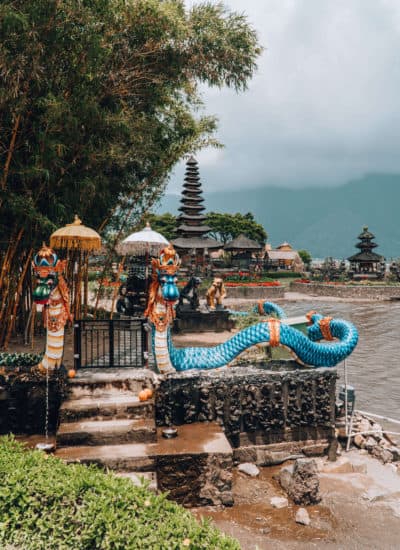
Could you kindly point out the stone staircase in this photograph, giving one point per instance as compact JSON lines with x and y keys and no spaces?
{"x":103,"y":422}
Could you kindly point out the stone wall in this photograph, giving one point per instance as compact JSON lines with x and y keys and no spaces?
{"x":196,"y":480}
{"x":23,"y":404}
{"x":254,"y":405}
{"x":365,"y":292}
{"x":254,"y":292}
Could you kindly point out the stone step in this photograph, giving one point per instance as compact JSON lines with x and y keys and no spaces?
{"x":137,"y":478}
{"x":132,"y":457}
{"x":93,"y":382}
{"x":195,"y":467}
{"x":106,"y":432}
{"x":116,"y":406}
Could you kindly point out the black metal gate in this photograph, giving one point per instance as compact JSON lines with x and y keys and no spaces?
{"x":110,"y":343}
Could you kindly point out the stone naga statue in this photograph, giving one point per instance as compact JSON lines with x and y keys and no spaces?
{"x":52,"y":292}
{"x":341,"y":336}
{"x":216,"y":293}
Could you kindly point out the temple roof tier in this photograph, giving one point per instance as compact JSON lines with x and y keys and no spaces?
{"x":366,"y":257}
{"x":184,"y":228}
{"x":197,"y":207}
{"x":194,"y":217}
{"x":199,"y":243}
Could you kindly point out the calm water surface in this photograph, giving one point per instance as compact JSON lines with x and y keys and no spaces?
{"x":374,"y":366}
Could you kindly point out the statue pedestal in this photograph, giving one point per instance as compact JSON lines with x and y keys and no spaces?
{"x":189,"y":320}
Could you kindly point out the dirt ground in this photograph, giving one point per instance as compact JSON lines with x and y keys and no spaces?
{"x":359,"y":510}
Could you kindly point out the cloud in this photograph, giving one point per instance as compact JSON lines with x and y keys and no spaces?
{"x":323,"y":107}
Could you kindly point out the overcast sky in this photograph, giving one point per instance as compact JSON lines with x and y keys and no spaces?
{"x":324,"y":105}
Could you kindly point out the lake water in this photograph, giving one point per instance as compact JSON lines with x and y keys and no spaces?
{"x":374,"y":366}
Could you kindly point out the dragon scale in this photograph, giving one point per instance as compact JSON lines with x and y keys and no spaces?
{"x":341,"y":335}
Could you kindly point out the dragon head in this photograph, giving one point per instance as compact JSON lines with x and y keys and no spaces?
{"x":47,"y":268}
{"x":165,"y":268}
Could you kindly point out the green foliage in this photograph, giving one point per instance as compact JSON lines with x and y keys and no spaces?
{"x":164,"y":224}
{"x":46,"y":504}
{"x":245,"y":321}
{"x":225,"y":227}
{"x":305,"y":256}
{"x":98,"y":101}
{"x":19,"y":359}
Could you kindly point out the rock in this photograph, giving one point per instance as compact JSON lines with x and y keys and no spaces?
{"x":383,"y":454}
{"x":227,"y":498}
{"x":395,"y":452}
{"x":364,"y":425}
{"x":285,"y":477}
{"x":302,"y":517}
{"x":341,"y":466}
{"x":279,"y":502}
{"x":301,"y":484}
{"x":390,"y":438}
{"x":319,"y":449}
{"x":249,"y":469}
{"x":377,"y":429}
{"x":359,"y":441}
{"x":370,"y":443}
{"x":384,"y":443}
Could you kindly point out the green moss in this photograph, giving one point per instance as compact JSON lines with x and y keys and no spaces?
{"x":45,"y":503}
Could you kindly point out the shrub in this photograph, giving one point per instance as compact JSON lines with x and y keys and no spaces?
{"x":45,"y":503}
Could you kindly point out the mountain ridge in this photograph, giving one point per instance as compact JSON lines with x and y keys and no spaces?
{"x":323,"y":220}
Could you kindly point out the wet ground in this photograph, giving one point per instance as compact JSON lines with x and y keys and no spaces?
{"x":359,"y":510}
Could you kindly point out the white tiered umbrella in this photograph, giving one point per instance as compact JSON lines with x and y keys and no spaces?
{"x":144,"y":242}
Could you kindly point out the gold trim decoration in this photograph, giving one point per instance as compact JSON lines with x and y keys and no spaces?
{"x":324,"y":325}
{"x":76,"y":236}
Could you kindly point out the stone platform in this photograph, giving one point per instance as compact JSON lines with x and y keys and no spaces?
{"x":103,"y":422}
{"x":203,"y":321}
{"x":281,"y":403}
{"x":224,"y":416}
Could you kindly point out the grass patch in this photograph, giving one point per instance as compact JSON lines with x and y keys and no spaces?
{"x":45,"y":503}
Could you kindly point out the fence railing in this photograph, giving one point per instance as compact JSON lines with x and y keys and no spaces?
{"x":110,"y":343}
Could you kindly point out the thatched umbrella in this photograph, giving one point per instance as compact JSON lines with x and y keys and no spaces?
{"x":78,"y":241}
{"x":145,"y":242}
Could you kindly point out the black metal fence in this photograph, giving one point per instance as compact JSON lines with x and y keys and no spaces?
{"x":110,"y":343}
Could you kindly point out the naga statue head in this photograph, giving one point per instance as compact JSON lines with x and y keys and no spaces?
{"x":165,"y":268}
{"x":47,"y":268}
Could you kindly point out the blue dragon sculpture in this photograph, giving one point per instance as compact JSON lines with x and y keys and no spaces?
{"x":341,"y":336}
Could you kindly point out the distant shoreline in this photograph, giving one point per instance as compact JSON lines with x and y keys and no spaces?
{"x":346,"y":293}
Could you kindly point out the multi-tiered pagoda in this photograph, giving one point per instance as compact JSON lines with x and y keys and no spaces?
{"x":366,"y":262}
{"x":192,"y":230}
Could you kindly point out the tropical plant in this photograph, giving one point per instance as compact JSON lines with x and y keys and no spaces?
{"x":98,"y":101}
{"x":225,"y":227}
{"x":305,"y":257}
{"x":45,"y":503}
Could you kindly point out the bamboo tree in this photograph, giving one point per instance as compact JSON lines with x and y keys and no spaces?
{"x":98,"y":101}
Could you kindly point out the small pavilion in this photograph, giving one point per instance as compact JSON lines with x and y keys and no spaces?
{"x":243,"y":250}
{"x":283,"y":257}
{"x":192,"y":242}
{"x":366,"y":262}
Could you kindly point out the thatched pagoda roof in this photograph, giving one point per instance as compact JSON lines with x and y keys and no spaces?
{"x":199,"y":243}
{"x":242,"y":243}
